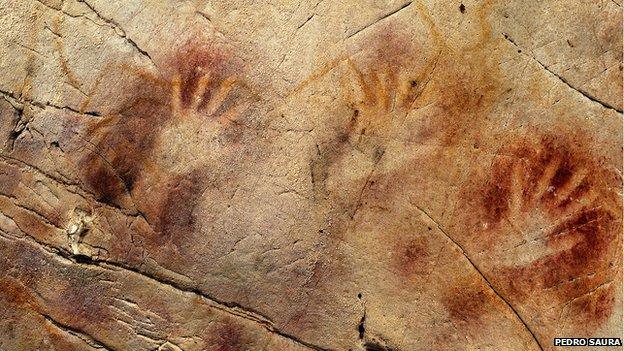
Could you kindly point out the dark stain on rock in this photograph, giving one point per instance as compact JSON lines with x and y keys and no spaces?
{"x":411,"y":257}
{"x":228,"y":336}
{"x":553,"y":185}
{"x":466,"y":305}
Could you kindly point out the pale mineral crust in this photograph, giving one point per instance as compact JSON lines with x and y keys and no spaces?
{"x":309,"y":175}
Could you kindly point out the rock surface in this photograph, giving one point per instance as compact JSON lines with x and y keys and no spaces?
{"x":350,"y":175}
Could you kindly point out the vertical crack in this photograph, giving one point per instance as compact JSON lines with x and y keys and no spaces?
{"x":361,"y":327}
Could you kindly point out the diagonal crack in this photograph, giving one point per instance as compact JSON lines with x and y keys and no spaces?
{"x":32,"y":211}
{"x":306,"y":21}
{"x":89,"y":339}
{"x":74,"y":188}
{"x":47,"y":104}
{"x":358,"y":203}
{"x":587,"y":293}
{"x":109,"y":23}
{"x":381,"y":18}
{"x":487,"y":281}
{"x":113,"y":24}
{"x":224,"y":306}
{"x":563,"y":79}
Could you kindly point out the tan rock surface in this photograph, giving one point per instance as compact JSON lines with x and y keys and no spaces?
{"x":424,"y":175}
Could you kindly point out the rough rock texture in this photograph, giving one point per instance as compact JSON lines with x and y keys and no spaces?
{"x":316,"y":175}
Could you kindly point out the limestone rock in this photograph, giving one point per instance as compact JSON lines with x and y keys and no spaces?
{"x":331,"y":175}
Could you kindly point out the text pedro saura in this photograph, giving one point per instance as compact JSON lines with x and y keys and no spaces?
{"x":587,"y":342}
